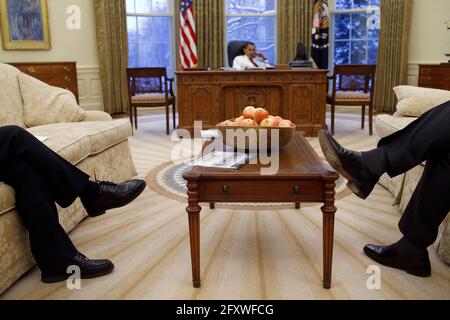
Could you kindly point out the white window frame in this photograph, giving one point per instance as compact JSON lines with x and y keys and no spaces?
{"x":172,"y":15}
{"x":274,"y":14}
{"x":333,"y":12}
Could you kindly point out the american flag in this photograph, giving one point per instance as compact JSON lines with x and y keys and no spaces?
{"x":188,"y":37}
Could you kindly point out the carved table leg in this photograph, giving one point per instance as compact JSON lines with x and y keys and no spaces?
{"x":329,"y":211}
{"x":298,"y":205}
{"x":194,"y":231}
{"x":212,"y":205}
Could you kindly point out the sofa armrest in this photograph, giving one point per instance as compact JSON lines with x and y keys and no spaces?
{"x":97,"y":116}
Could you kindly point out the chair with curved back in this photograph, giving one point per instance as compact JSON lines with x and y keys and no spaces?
{"x":150,"y":87}
{"x":353,"y":85}
{"x":302,"y":52}
{"x":235,"y":48}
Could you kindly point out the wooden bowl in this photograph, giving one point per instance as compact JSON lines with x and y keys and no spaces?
{"x":256,"y":138}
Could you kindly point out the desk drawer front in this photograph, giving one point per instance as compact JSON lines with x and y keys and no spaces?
{"x":47,"y":69}
{"x":262,"y":191}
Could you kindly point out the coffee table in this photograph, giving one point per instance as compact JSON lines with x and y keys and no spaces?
{"x":301,"y":178}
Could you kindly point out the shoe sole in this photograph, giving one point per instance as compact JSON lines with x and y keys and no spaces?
{"x":64,"y":277}
{"x":336,"y":164}
{"x":417,"y":273}
{"x":138,"y":193}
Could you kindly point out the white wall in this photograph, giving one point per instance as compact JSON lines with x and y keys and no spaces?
{"x":430,"y":39}
{"x":70,"y":45}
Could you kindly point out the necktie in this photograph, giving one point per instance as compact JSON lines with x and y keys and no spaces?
{"x":253,"y":62}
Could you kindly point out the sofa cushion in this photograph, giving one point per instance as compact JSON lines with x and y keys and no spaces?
{"x":44,"y":104}
{"x":11,"y":107}
{"x":78,"y":140}
{"x":415,"y":101}
{"x":7,"y":198}
{"x":386,"y":125}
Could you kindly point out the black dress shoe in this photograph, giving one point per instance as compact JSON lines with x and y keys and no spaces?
{"x":113,"y":196}
{"x":349,"y":164}
{"x":392,"y":256}
{"x":89,"y":269}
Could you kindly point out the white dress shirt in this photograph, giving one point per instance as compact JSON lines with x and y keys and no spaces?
{"x":243,"y":62}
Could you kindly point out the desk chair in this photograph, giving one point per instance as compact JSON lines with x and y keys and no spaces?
{"x":235,"y":48}
{"x":353,"y":85}
{"x":150,"y":87}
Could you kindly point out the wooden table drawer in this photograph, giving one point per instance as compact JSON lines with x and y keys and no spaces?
{"x":261,"y":191}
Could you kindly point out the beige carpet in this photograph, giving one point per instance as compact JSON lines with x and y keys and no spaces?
{"x":245,"y":254}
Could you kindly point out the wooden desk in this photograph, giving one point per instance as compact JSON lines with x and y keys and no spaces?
{"x":435,"y":76}
{"x":215,"y":96}
{"x":302,"y":177}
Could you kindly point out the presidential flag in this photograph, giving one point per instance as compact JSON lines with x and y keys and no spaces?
{"x":188,"y":37}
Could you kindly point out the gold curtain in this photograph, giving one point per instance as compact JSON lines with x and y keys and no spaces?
{"x":294,"y":25}
{"x":177,"y":34}
{"x":393,"y":48}
{"x":210,"y":23}
{"x":112,"y":39}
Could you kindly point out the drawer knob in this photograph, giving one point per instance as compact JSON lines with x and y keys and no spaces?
{"x":225,"y":190}
{"x":31,"y":70}
{"x":296,"y":190}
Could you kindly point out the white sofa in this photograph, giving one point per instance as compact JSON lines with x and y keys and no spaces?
{"x":92,"y":141}
{"x":402,"y":187}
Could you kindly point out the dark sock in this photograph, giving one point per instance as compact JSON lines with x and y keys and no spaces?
{"x":377,"y":162}
{"x":410,"y":249}
{"x":90,"y":193}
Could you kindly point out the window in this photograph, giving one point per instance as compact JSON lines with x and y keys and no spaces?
{"x":356,"y":28}
{"x":255,"y":21}
{"x":150,"y":33}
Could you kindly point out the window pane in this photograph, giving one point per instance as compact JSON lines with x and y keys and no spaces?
{"x":150,"y":42}
{"x":260,"y":30}
{"x":343,"y":4}
{"x":359,"y":26}
{"x":341,"y":50}
{"x":360,"y":4}
{"x":132,"y":29}
{"x":152,"y":6}
{"x":358,"y":52}
{"x":250,"y":6}
{"x":372,"y":46}
{"x":342,"y":26}
{"x":130,"y":6}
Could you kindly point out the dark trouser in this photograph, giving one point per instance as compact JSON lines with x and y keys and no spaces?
{"x":40,"y":178}
{"x":426,"y":139}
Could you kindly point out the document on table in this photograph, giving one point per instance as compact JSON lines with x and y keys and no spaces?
{"x":41,"y":138}
{"x":224,"y":160}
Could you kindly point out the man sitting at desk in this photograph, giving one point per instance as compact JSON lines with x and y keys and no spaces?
{"x":248,"y":59}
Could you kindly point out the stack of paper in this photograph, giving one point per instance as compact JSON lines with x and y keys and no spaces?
{"x":224,"y":160}
{"x":41,"y":138}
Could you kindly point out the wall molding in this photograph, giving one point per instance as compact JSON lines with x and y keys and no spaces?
{"x":90,"y":87}
{"x":413,"y":74}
